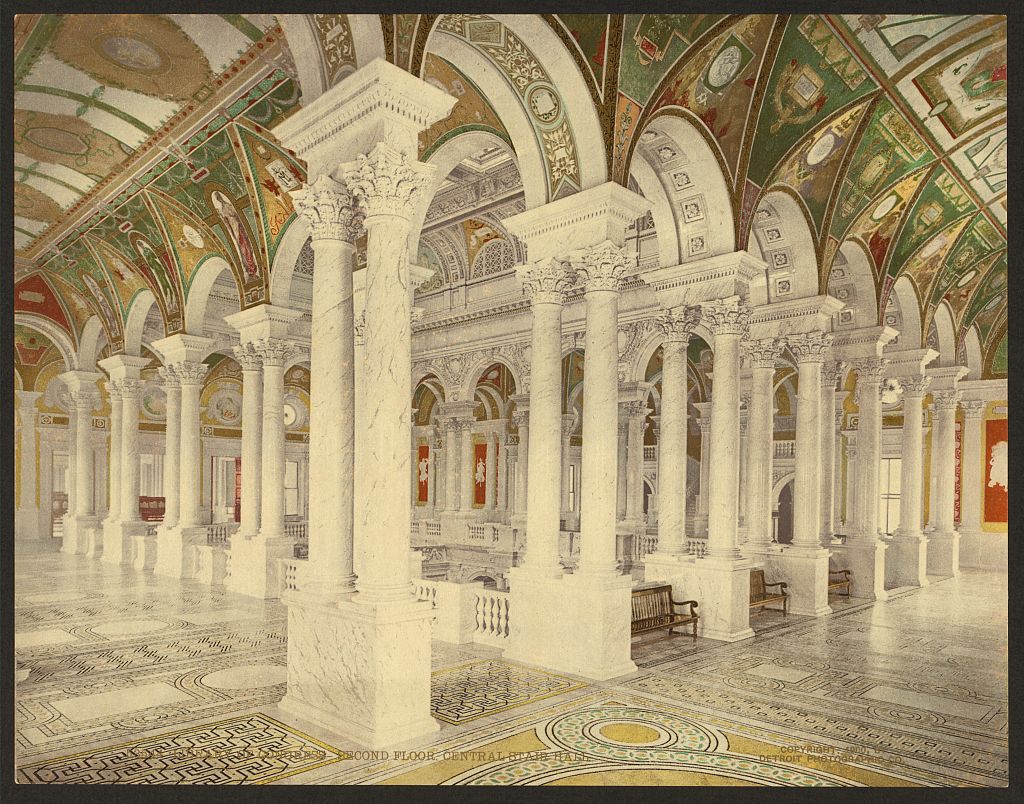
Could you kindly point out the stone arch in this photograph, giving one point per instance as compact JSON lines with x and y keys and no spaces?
{"x":905,"y":298}
{"x":692,"y":177}
{"x":135,"y":322}
{"x":476,"y":370}
{"x":778,"y":485}
{"x":851,"y":280}
{"x":783,"y":238}
{"x":432,"y":383}
{"x":497,"y":89}
{"x":202,"y":283}
{"x":637,"y":372}
{"x":423,"y":371}
{"x":665,"y":230}
{"x":89,"y":343}
{"x":286,"y":260}
{"x":365,"y":33}
{"x":943,"y":320}
{"x":975,"y":355}
{"x":56,"y":334}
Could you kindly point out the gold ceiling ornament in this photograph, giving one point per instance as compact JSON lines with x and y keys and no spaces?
{"x":145,"y":53}
{"x":34,"y":204}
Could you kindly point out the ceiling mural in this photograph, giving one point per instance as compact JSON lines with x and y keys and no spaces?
{"x":142,"y":145}
{"x":33,"y":352}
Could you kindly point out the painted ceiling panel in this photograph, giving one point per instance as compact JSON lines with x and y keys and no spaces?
{"x":220,"y":41}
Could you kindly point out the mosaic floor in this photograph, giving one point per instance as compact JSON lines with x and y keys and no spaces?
{"x":125,"y":677}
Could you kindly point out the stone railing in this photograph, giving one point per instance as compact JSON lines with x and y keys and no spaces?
{"x":785,"y":449}
{"x":650,"y":452}
{"x":219,"y":533}
{"x":466,"y":612}
{"x":151,"y":529}
{"x":492,"y":623}
{"x":475,"y":533}
{"x":299,"y":531}
{"x":696,"y":546}
{"x":645,"y":543}
{"x":432,"y":530}
{"x":291,"y":573}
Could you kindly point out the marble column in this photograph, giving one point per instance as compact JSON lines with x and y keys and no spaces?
{"x":850,"y":481}
{"x":761,"y":354}
{"x":28,"y":519}
{"x":703,"y":492}
{"x":864,"y":552}
{"x":944,"y":547}
{"x":451,"y":483}
{"x":637,"y":418}
{"x":274,"y":354}
{"x":335,"y":221}
{"x":677,"y":327}
{"x":252,"y":438}
{"x":907,"y":556}
{"x":568,"y":425}
{"x":545,"y":283}
{"x":431,"y":469}
{"x":601,"y":268}
{"x":130,"y":392}
{"x":805,"y":560}
{"x":521,"y":419}
{"x":115,"y":464}
{"x":830,"y":374}
{"x":165,"y":540}
{"x":972,"y":477}
{"x":82,"y":388}
{"x":501,"y":473}
{"x":439,"y":468}
{"x":743,"y":480}
{"x":491,"y":473}
{"x":725,"y":592}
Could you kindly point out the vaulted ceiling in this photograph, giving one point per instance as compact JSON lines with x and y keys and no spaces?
{"x":142,"y":147}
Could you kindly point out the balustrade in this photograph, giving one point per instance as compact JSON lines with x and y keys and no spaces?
{"x":492,"y":617}
{"x":785,"y":449}
{"x":219,"y":533}
{"x":650,"y":452}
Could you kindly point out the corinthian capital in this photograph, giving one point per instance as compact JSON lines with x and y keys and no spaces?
{"x":330,"y":209}
{"x":114,"y":389}
{"x":871,"y":369}
{"x":273,"y":351}
{"x":190,"y":372}
{"x":169,"y":376}
{"x":915,"y":386}
{"x":130,"y":388}
{"x":831,"y":371}
{"x":809,"y":347}
{"x":84,"y":398}
{"x":678,"y":324}
{"x":387,"y":182}
{"x":725,"y":318}
{"x":600,"y":267}
{"x":247,"y":356}
{"x":763,"y":353}
{"x":546,"y":281}
{"x":973,"y":408}
{"x":946,"y":400}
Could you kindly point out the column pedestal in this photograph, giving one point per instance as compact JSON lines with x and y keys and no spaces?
{"x":76,"y":534}
{"x":805,"y":570}
{"x":119,"y":541}
{"x":144,"y":550}
{"x":865,"y":558}
{"x":720,"y":587}
{"x":255,"y":570}
{"x":360,"y":670}
{"x":907,"y":561}
{"x":943,"y":554}
{"x":174,"y":557}
{"x":97,"y":538}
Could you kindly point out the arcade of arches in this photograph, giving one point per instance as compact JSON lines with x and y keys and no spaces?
{"x":367,"y":365}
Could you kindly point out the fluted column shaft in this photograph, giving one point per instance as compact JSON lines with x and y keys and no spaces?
{"x":912,"y":465}
{"x":501,"y":475}
{"x":568,"y":420}
{"x":522,"y":421}
{"x":252,"y":438}
{"x":601,"y":267}
{"x":388,"y":186}
{"x":622,"y":463}
{"x":945,"y":444}
{"x":869,"y":442}
{"x":335,"y":222}
{"x":172,"y":448}
{"x":635,"y":459}
{"x":704,"y":423}
{"x":116,"y":438}
{"x":545,"y":283}
{"x":451,"y":483}
{"x":130,"y":391}
{"x":809,"y":351}
{"x":27,"y":477}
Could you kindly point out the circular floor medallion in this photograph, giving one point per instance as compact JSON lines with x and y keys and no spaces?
{"x":129,"y":627}
{"x":248,"y":677}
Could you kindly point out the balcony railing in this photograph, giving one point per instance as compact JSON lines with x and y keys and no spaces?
{"x":492,"y":623}
{"x":466,"y":612}
{"x":219,"y":533}
{"x":650,"y":452}
{"x":298,"y":531}
{"x":785,"y":449}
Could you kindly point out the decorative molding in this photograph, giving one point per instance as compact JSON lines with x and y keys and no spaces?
{"x":190,"y":372}
{"x":247,"y":357}
{"x":546,"y":281}
{"x":809,"y":347}
{"x":722,"y":317}
{"x":678,"y":323}
{"x":387,"y":182}
{"x":763,"y":352}
{"x":330,"y":209}
{"x":600,"y":267}
{"x":273,"y":351}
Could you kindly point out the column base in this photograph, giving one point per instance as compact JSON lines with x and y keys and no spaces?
{"x":865,"y":558}
{"x":119,"y":541}
{"x":360,"y":670}
{"x":906,"y":561}
{"x":28,"y":524}
{"x":590,"y":637}
{"x":76,"y":534}
{"x":97,"y":538}
{"x":943,"y":552}
{"x":174,"y":554}
{"x":255,"y":565}
{"x":805,"y":571}
{"x":145,"y":549}
{"x":211,"y":564}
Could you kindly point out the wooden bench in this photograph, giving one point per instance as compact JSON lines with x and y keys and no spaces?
{"x":839,"y":579}
{"x":760,"y":597}
{"x":654,"y":608}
